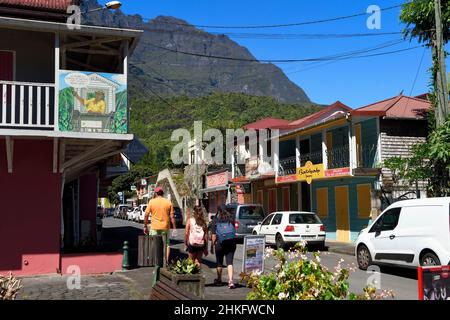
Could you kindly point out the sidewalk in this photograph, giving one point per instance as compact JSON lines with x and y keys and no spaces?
{"x":341,"y":247}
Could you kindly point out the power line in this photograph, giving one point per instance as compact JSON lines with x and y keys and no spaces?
{"x":302,"y":23}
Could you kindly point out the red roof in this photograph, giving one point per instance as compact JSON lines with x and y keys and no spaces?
{"x":399,"y":107}
{"x":266,"y":123}
{"x":329,"y":110}
{"x":58,"y":5}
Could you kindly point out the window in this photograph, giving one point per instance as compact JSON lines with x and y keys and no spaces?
{"x":251,"y":212}
{"x":358,"y":145}
{"x":299,"y":218}
{"x":364,"y":200}
{"x":267,"y":220}
{"x":388,"y":221}
{"x":322,"y":202}
{"x":277,"y":219}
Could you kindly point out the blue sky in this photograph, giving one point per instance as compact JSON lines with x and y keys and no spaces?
{"x":355,"y":82}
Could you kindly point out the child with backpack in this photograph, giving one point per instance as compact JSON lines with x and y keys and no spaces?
{"x":196,"y":236}
{"x":223,"y":242}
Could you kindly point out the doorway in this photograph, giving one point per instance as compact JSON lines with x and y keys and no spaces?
{"x":342,"y":218}
{"x":305,"y":196}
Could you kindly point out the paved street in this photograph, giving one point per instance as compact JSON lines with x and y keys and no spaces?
{"x":135,"y":284}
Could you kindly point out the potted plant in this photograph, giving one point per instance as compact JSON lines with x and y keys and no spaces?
{"x":186,"y":274}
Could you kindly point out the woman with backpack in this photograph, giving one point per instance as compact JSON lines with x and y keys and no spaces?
{"x":196,"y":236}
{"x":223,"y":242}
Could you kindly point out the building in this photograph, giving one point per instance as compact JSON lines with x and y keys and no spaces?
{"x":63,"y":117}
{"x":330,"y":162}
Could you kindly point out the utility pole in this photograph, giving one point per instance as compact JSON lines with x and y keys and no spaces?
{"x":441,"y":80}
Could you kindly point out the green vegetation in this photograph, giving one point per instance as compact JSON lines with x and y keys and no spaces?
{"x":120,"y":118}
{"x":154,"y":120}
{"x":66,"y":105}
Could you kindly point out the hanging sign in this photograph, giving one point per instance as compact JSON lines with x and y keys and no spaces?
{"x":310,"y":172}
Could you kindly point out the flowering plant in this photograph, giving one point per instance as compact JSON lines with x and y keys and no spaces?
{"x":297,"y":277}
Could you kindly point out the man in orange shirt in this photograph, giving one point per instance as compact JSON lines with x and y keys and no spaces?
{"x":162,"y":213}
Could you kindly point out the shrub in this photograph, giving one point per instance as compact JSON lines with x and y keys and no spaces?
{"x":9,"y":287}
{"x":185,"y":266}
{"x":296,"y":277}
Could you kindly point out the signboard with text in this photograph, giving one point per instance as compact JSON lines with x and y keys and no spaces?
{"x":217,"y":179}
{"x":310,"y":172}
{"x":339,"y":172}
{"x":254,"y":248}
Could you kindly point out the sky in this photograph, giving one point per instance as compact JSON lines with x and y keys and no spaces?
{"x":355,"y":82}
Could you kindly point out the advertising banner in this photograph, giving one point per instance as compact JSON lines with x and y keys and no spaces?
{"x":92,"y":102}
{"x":254,"y":247}
{"x":434,"y":283}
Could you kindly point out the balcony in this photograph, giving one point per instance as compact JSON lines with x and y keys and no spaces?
{"x":287,"y":166}
{"x":366,"y":155}
{"x":314,"y":157}
{"x":27,"y":105}
{"x":338,"y":157}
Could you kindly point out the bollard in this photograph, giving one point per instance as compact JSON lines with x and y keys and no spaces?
{"x":125,"y":263}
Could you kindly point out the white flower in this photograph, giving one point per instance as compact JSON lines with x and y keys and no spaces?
{"x":283,"y":295}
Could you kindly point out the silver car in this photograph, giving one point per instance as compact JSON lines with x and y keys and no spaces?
{"x":246,"y":217}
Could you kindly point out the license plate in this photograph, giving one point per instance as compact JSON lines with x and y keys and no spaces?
{"x":308,"y":237}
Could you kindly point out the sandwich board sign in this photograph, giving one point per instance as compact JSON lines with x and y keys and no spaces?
{"x":254,"y":248}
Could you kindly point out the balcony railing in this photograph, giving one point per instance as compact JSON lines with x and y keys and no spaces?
{"x":338,"y":157}
{"x":314,"y":157}
{"x":27,"y":105}
{"x":287,"y":166}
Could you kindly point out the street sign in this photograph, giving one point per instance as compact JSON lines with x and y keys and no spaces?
{"x":133,"y":188}
{"x":120,"y":193}
{"x":254,"y":248}
{"x":143,"y":182}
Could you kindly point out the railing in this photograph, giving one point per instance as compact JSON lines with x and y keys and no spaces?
{"x":314,"y":157}
{"x":365,"y":155}
{"x":287,"y":166}
{"x":27,"y":105}
{"x":338,"y":157}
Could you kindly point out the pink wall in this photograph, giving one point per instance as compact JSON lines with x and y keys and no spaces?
{"x":91,"y":263}
{"x":88,"y":201}
{"x":30,"y":200}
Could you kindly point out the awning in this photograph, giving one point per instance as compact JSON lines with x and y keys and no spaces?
{"x":213,"y":189}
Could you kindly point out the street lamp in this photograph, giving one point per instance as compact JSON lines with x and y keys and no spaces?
{"x":111,"y":5}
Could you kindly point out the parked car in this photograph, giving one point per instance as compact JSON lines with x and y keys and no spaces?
{"x":289,"y":227}
{"x":408,"y":233}
{"x":178,"y":217}
{"x":141,"y":216}
{"x":133,"y":213}
{"x":121,"y":211}
{"x":246,"y":217}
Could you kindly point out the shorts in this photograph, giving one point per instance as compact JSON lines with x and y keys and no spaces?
{"x":195,"y":249}
{"x":164,"y":234}
{"x":225,"y":249}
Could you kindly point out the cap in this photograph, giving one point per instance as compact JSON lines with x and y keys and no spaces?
{"x":159,"y":190}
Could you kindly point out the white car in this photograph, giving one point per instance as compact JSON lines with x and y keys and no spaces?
{"x":407,"y":233}
{"x":133,"y":213}
{"x":289,"y":227}
{"x":141,"y":216}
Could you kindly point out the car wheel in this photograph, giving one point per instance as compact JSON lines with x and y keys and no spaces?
{"x":429,"y":259}
{"x":279,"y":242}
{"x":254,"y":233}
{"x":363,"y":257}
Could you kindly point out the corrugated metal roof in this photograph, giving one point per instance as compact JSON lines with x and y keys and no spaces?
{"x":266,"y":123}
{"x":58,"y":5}
{"x":400,"y":107}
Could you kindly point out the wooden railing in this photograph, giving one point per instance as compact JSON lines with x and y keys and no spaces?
{"x":27,"y":105}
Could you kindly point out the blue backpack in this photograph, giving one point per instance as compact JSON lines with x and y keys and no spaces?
{"x":225,"y":231}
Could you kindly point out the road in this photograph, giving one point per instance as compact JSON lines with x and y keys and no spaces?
{"x":402,"y":281}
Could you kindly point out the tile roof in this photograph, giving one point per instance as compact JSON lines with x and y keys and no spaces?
{"x":399,"y":107}
{"x":54,"y":5}
{"x":266,"y":123}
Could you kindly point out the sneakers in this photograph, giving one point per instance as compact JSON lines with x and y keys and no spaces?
{"x":231,"y":285}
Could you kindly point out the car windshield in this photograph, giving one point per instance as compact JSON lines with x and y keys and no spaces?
{"x":302,"y":218}
{"x":251,"y":212}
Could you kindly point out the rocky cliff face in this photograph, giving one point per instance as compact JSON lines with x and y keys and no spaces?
{"x":156,"y":69}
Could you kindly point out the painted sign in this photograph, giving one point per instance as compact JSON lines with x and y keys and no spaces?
{"x":217,"y":179}
{"x":434,"y":283}
{"x":310,"y":171}
{"x":286,"y":179}
{"x":253,"y":260}
{"x":340,"y":172}
{"x":92,"y":102}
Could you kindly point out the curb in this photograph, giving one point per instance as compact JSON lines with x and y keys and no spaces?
{"x":346,"y":251}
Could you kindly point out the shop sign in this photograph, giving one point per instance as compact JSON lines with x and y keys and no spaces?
{"x":310,"y":172}
{"x":340,"y":172}
{"x":288,"y":178}
{"x":143,"y":182}
{"x":218,"y":179}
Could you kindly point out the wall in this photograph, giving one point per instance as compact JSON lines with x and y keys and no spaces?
{"x":35,"y":51}
{"x":30,"y":200}
{"x":88,"y":203}
{"x":356,"y":223}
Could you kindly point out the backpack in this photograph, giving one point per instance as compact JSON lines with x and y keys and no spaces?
{"x":225,"y":231}
{"x":196,"y":234}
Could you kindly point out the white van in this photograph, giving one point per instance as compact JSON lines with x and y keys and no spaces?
{"x":407,"y":233}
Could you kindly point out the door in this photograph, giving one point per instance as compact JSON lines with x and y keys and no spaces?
{"x":342,"y":218}
{"x":6,"y":65}
{"x":264,"y":228}
{"x":274,"y":228}
{"x":272,"y":200}
{"x":306,"y":197}
{"x":286,"y":198}
{"x":383,"y":239}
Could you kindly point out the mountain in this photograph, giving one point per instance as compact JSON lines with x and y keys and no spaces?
{"x":156,"y":70}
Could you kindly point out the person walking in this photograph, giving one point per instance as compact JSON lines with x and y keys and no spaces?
{"x":162,"y":214}
{"x":223,"y":243}
{"x":196,"y":236}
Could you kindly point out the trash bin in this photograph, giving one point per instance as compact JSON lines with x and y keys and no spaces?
{"x":150,"y":251}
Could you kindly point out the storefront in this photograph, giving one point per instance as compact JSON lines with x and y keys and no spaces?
{"x":217,"y":189}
